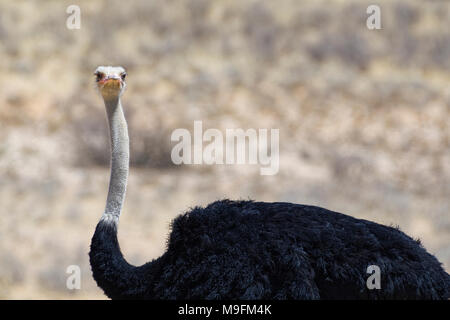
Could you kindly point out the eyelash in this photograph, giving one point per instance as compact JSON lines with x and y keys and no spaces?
{"x":99,"y":76}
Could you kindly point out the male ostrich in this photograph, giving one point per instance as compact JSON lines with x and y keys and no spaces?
{"x":255,"y":250}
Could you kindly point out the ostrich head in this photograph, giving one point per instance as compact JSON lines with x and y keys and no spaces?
{"x":110,"y":81}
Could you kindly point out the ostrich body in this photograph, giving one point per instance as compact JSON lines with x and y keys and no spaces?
{"x":255,"y":250}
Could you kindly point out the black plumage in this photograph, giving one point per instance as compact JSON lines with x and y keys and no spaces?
{"x":258,"y":250}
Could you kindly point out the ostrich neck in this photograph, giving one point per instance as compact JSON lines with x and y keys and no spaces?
{"x":119,"y":159}
{"x":111,"y":271}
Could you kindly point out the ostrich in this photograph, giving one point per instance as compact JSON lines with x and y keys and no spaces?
{"x":255,"y":250}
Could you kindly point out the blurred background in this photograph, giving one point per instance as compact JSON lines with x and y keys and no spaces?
{"x":363,"y":118}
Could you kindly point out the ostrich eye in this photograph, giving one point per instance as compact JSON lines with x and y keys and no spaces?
{"x":123,"y":75}
{"x":99,"y":76}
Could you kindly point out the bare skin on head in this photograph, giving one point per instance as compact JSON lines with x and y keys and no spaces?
{"x":110,"y":81}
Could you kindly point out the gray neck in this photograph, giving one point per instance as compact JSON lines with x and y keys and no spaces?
{"x":119,"y":160}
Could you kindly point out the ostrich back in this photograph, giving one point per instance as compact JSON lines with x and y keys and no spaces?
{"x":257,"y":250}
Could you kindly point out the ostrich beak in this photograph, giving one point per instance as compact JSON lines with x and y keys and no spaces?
{"x":111,"y":86}
{"x":111,"y":82}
